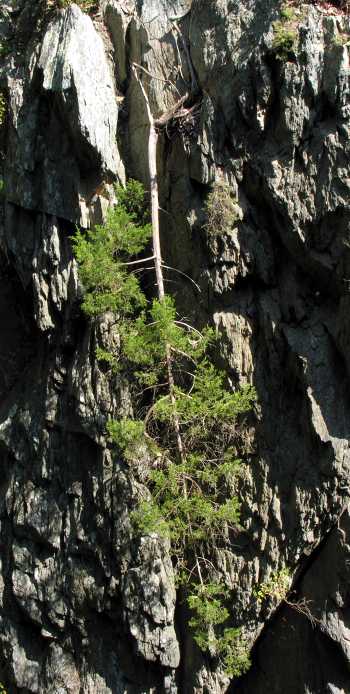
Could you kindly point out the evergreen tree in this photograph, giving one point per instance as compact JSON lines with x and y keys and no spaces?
{"x":189,"y":417}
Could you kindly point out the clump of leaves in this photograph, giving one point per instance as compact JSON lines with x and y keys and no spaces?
{"x":288,"y":13}
{"x":285,"y":34}
{"x":189,"y":486}
{"x":276,"y":587}
{"x":221,"y":209}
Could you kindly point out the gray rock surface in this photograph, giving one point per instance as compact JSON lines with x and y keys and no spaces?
{"x":63,"y":119}
{"x":85,"y":607}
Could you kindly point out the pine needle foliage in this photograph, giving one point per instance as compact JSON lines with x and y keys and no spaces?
{"x":102,"y":254}
{"x":189,"y":496}
{"x":206,"y":603}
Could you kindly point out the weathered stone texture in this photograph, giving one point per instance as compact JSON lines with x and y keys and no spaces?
{"x":84,"y":606}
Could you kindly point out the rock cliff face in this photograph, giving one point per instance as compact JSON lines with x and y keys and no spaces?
{"x":84,"y":607}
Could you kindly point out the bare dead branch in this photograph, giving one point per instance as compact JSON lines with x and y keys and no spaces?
{"x":168,"y":115}
{"x":180,"y":272}
{"x":302,"y":606}
{"x":155,"y":77}
{"x":137,"y":262}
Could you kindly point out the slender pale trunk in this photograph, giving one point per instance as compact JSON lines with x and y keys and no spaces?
{"x":153,"y":172}
{"x":152,"y":163}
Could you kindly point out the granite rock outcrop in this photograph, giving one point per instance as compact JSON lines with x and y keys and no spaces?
{"x":84,"y":606}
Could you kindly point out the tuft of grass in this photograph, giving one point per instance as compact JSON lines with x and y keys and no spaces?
{"x":221,"y":208}
{"x":285,"y":34}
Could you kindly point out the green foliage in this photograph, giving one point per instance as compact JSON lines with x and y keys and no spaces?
{"x":127,"y":432}
{"x":284,"y":42}
{"x":210,"y":404}
{"x":2,"y":189}
{"x":102,"y":254}
{"x":207,"y":603}
{"x":132,"y":198}
{"x":285,"y":34}
{"x":2,"y":689}
{"x":148,"y":519}
{"x":234,"y":652}
{"x":144,"y":341}
{"x":131,"y":437}
{"x":189,"y":498}
{"x":103,"y":355}
{"x":288,"y":13}
{"x":200,"y":514}
{"x":5,"y":49}
{"x":276,"y":587}
{"x":221,"y":209}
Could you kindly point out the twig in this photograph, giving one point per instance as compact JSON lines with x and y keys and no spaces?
{"x":190,"y":327}
{"x":180,"y":272}
{"x":168,"y":115}
{"x":302,"y":607}
{"x":137,"y":262}
{"x":155,"y":77}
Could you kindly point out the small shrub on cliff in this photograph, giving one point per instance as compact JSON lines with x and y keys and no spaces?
{"x":285,"y":34}
{"x":221,"y":208}
{"x":276,"y":587}
{"x":284,"y":41}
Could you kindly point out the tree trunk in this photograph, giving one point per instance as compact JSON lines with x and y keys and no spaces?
{"x":152,"y":165}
